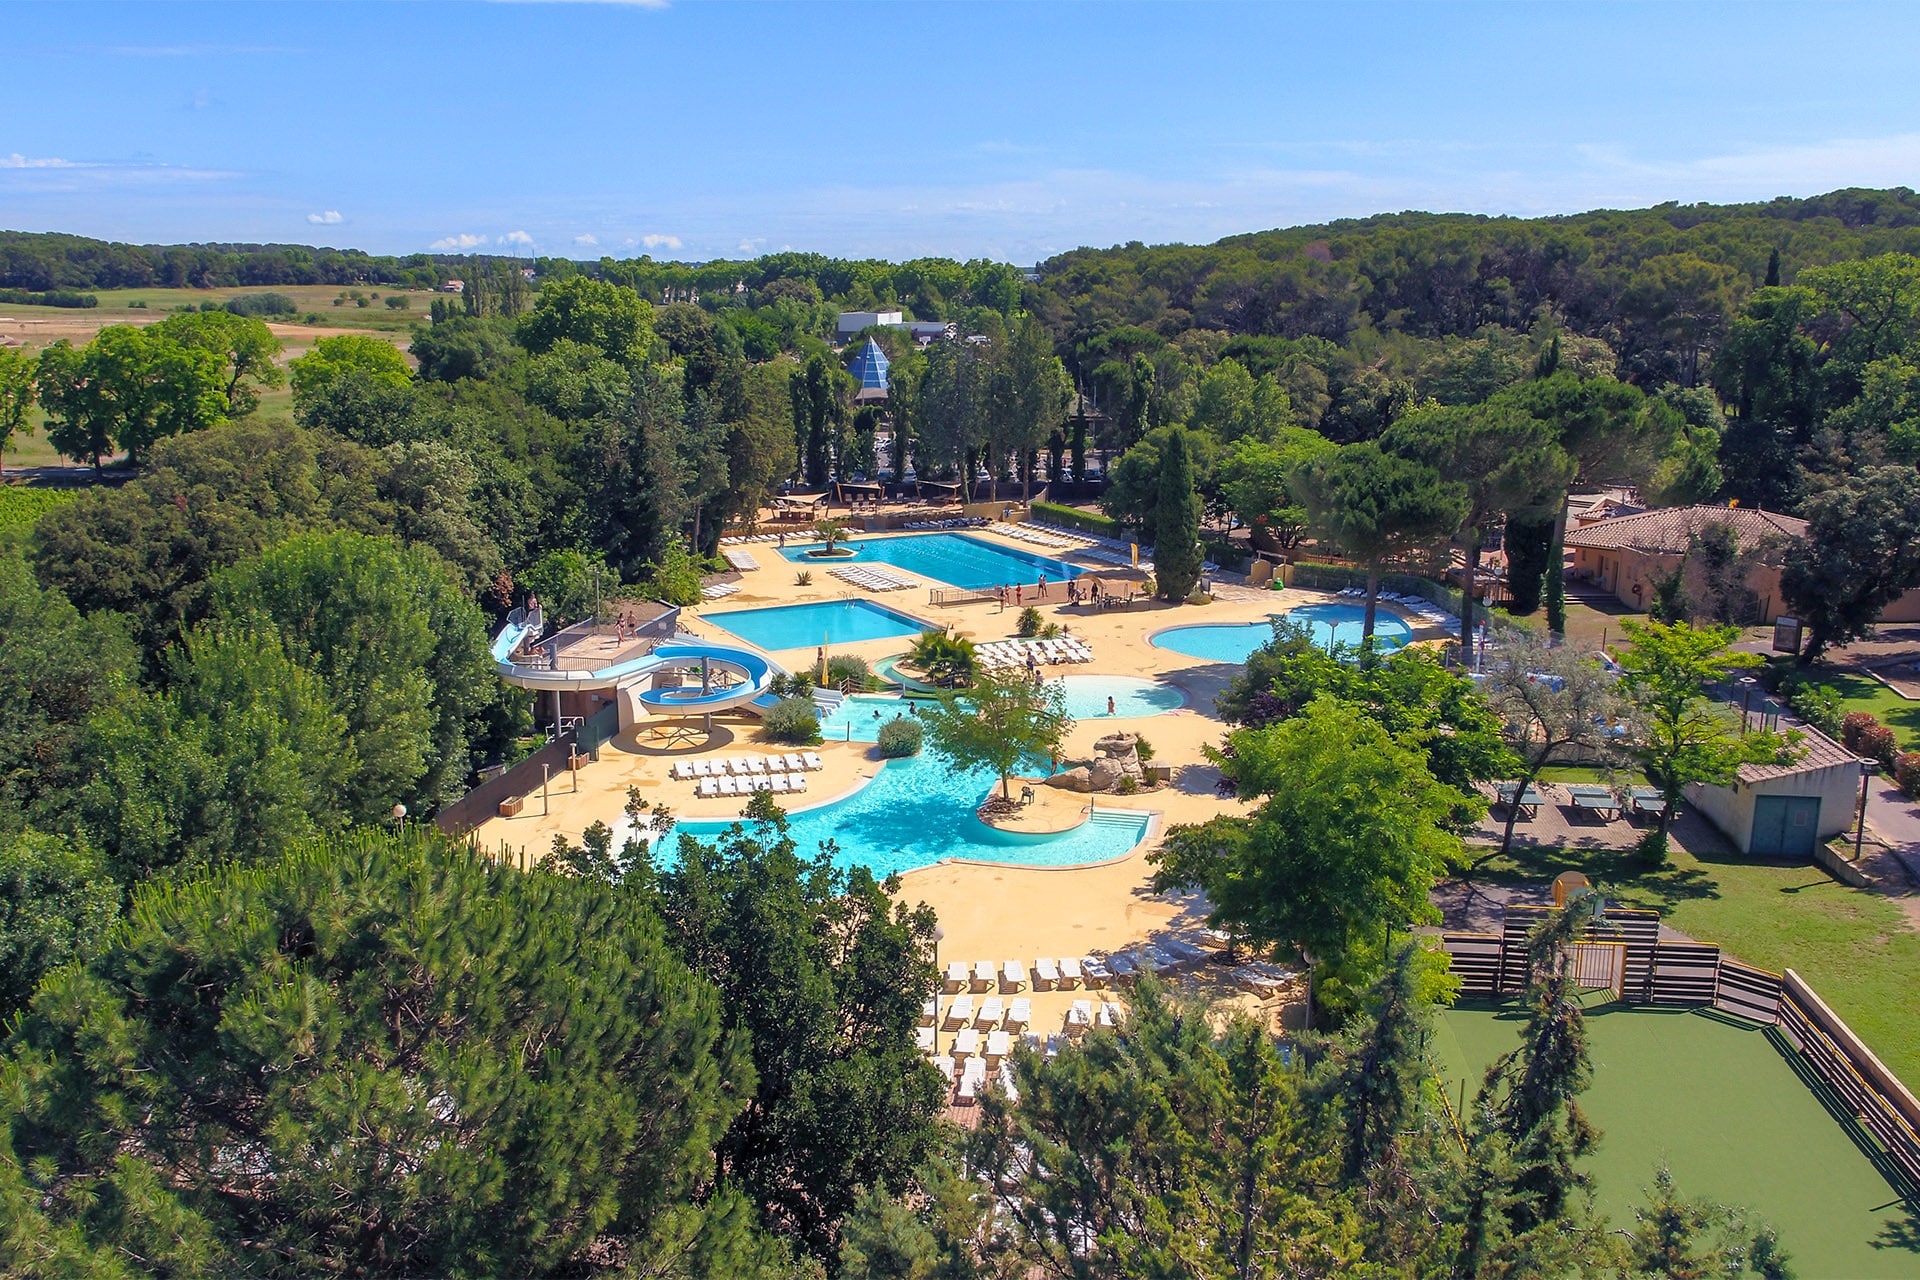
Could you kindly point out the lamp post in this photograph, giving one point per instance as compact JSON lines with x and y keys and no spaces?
{"x":1746,"y":684}
{"x":1867,"y":769}
{"x":938,"y":935}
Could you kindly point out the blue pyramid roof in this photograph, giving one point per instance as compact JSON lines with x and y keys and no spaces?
{"x":869,"y":368}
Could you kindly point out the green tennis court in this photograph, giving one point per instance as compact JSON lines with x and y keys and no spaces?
{"x":1725,"y":1109}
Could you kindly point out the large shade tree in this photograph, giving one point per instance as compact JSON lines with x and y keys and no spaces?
{"x":1860,"y":553}
{"x":125,"y":390}
{"x":1375,"y":506}
{"x":999,"y":723}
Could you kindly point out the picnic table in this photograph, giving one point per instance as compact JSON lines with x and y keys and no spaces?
{"x":1529,"y":802}
{"x":1597,"y":800}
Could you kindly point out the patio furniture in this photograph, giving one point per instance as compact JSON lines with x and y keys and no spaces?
{"x":1530,"y":800}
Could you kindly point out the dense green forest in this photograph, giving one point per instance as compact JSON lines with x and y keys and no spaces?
{"x":256,"y":1029}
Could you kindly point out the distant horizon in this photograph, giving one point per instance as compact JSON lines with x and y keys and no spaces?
{"x":699,"y":132}
{"x":580,"y":259}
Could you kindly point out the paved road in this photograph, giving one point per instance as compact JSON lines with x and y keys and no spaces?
{"x":1896,"y":820}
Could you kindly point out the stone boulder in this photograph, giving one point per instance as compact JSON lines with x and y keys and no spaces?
{"x":1122,"y":750}
{"x":1072,"y":780}
{"x":1105,"y":774}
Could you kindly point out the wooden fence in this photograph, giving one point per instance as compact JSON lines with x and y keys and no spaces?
{"x":1698,"y":975}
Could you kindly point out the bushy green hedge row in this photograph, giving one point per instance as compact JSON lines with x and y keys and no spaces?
{"x":1073,"y":518}
{"x":51,"y":298}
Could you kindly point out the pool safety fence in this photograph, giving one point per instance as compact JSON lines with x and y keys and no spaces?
{"x":1624,"y":952}
{"x":956,"y":595}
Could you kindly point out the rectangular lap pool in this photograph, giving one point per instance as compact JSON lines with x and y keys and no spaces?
{"x":954,"y":558}
{"x":797,"y":626}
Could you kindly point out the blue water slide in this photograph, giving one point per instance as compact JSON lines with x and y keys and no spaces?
{"x":753,"y":671}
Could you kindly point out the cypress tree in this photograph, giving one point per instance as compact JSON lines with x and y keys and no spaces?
{"x":1176,"y":522}
{"x":1528,"y":538}
{"x":1773,"y":267}
{"x":1555,"y":582}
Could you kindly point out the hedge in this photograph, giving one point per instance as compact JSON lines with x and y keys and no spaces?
{"x":1074,"y":518}
{"x":899,"y":737}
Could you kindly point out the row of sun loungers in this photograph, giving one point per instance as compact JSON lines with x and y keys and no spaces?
{"x":741,"y":560}
{"x":955,"y":522}
{"x":1039,"y":538}
{"x":1012,"y":654}
{"x":871,"y":579}
{"x":779,"y":783}
{"x":1412,"y":604}
{"x":992,"y":1013}
{"x":718,"y":590}
{"x":747,"y":766}
{"x":1069,"y":972}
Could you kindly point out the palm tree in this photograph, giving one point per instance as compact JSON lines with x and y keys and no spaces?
{"x":830,"y":531}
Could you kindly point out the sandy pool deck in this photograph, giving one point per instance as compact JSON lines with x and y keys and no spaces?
{"x":987,"y":911}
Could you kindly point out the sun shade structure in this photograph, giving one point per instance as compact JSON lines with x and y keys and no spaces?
{"x":869,"y":370}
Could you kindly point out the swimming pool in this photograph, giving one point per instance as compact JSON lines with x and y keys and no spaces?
{"x":918,"y":810}
{"x":854,"y":720}
{"x":952,"y":558}
{"x":796,"y":626}
{"x":1233,"y":641}
{"x":1087,"y":697}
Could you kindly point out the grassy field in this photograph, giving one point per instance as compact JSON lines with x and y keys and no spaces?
{"x":1855,"y":947}
{"x":1720,"y":1103}
{"x":1864,"y":693}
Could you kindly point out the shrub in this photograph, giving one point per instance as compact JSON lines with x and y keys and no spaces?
{"x":1818,"y":705}
{"x":398,"y":302}
{"x":1877,"y":742}
{"x":846,"y":666}
{"x":1052,"y":631}
{"x":21,"y":507}
{"x":1143,"y":748}
{"x":1126,"y":786}
{"x":1029,"y":623}
{"x":797,"y":685}
{"x":791,"y":720}
{"x":1855,"y":723}
{"x":901,"y":737}
{"x":262,"y":304}
{"x":803,"y":579}
{"x":1073,"y":518}
{"x":1906,"y":774}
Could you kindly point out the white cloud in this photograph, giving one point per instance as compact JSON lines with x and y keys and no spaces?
{"x":660,"y":242}
{"x":330,"y":218}
{"x":450,"y":244}
{"x":18,"y":161}
{"x":586,"y":240}
{"x":750,"y":243}
{"x":516,"y":237}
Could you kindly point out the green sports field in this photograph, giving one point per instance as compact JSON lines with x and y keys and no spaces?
{"x":1725,"y":1109}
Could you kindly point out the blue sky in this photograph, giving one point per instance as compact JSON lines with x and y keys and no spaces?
{"x":699,"y":130}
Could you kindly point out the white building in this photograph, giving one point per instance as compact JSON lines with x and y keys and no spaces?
{"x":1786,"y":810}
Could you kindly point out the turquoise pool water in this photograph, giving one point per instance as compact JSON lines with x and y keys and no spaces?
{"x":1233,"y":641}
{"x":859,"y":716}
{"x":953,"y":558}
{"x":797,"y":626}
{"x":917,"y":811}
{"x":1087,"y":697}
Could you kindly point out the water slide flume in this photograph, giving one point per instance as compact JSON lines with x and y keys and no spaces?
{"x":751,"y":674}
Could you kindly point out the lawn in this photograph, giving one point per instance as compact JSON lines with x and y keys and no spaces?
{"x":1853,"y":946}
{"x":1864,"y":693}
{"x":1720,"y":1103}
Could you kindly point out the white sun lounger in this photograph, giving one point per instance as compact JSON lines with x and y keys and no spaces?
{"x":991,"y":1012}
{"x":957,"y":973}
{"x":983,"y":973}
{"x":929,"y":1010}
{"x":1080,"y":1015}
{"x":966,"y":1044}
{"x":679,"y":771}
{"x":796,"y":782}
{"x":944,"y":1064}
{"x":1013,"y":975}
{"x":923,"y":1039}
{"x":728,"y":787}
{"x":756,"y":764}
{"x":1121,"y":966}
{"x":973,"y":1078}
{"x":702,"y":768}
{"x":779,"y":781}
{"x":1053,"y":1045}
{"x":1111,"y":1014}
{"x":1019,"y":1013}
{"x":999,"y":1045}
{"x":1045,"y":972}
{"x":811,"y":760}
{"x":1097,"y":973}
{"x":707,"y":789}
{"x":793,"y":762}
{"x":1069,"y":972}
{"x":960,"y":1012}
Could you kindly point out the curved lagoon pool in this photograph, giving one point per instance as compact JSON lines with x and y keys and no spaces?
{"x":917,"y":811}
{"x":1087,"y":697}
{"x":1233,"y":641}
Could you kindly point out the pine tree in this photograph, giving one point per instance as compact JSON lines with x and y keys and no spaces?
{"x":1177,"y":557}
{"x":383,"y":1055}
